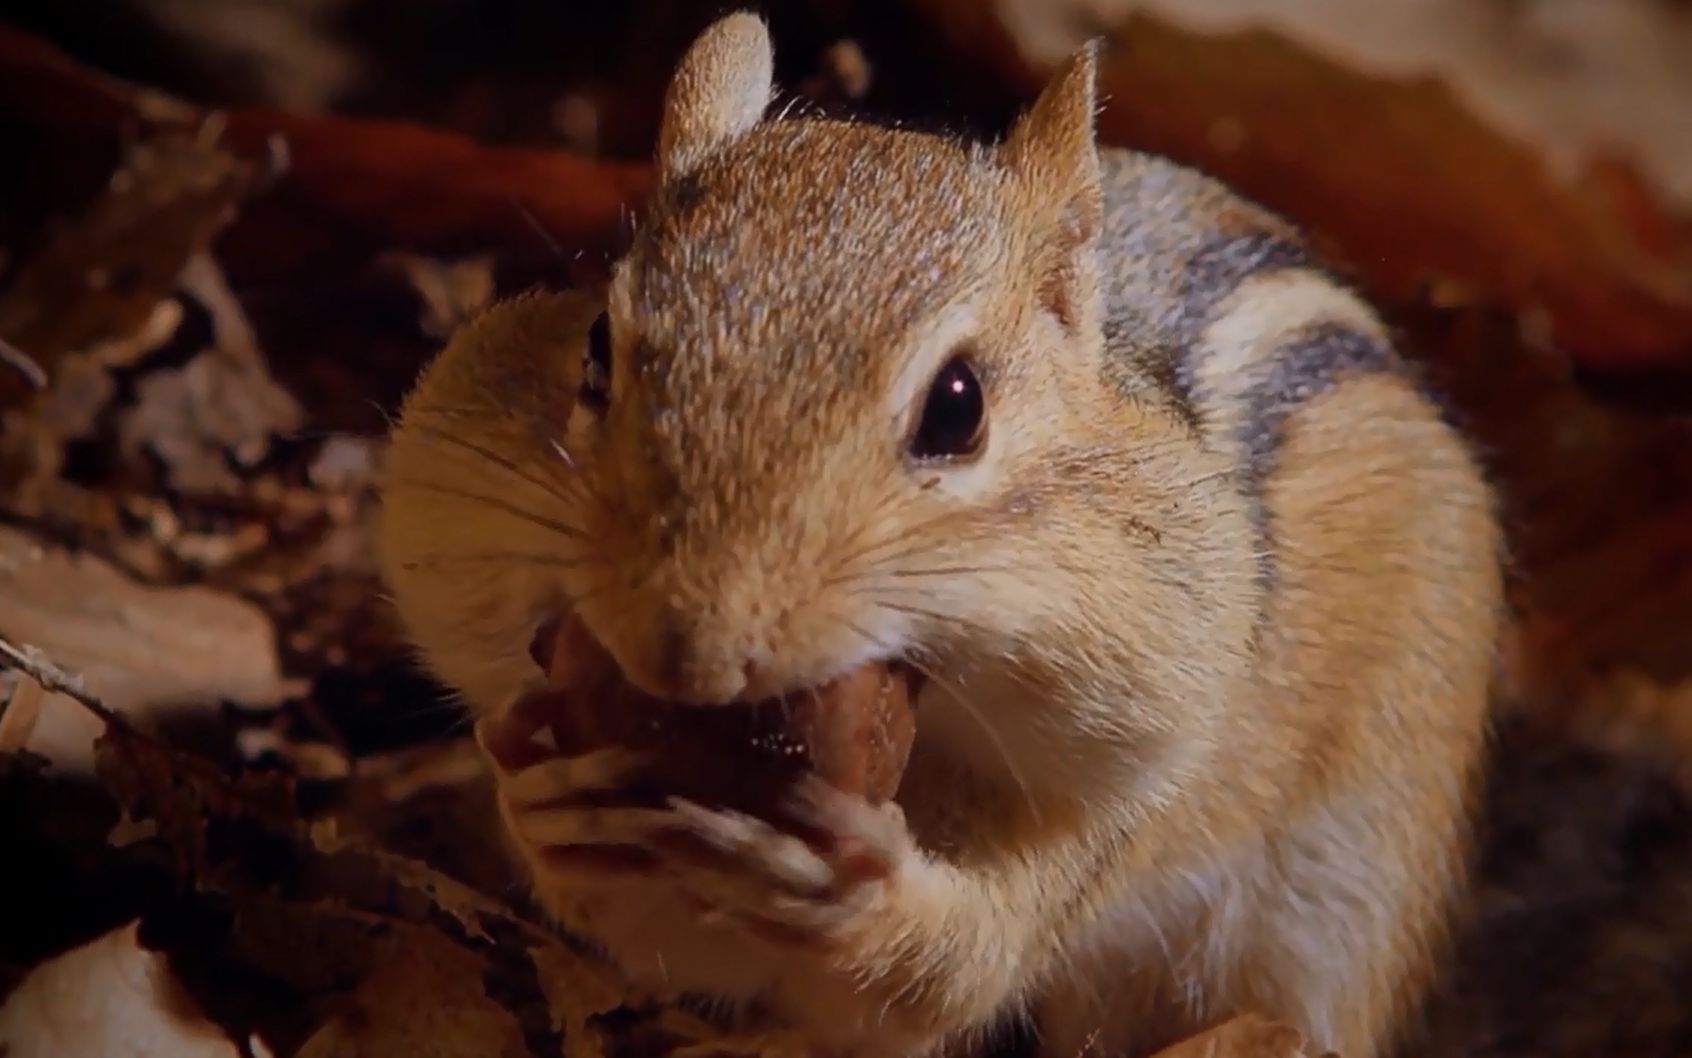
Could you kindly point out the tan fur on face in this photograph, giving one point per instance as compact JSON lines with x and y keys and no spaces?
{"x":1208,"y":620}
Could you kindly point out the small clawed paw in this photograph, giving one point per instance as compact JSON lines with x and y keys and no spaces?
{"x":577,"y":814}
{"x":794,"y":883}
{"x":794,"y":878}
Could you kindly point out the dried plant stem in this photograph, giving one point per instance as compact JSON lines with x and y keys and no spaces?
{"x":33,"y":663}
{"x":23,"y":363}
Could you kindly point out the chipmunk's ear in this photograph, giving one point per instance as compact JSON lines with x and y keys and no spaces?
{"x":719,"y":91}
{"x":1053,"y":152}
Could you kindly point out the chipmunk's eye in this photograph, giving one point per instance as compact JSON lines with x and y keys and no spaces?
{"x":596,"y":366}
{"x":954,"y":415}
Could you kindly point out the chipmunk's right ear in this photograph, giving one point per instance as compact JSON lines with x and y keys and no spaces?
{"x":719,"y":91}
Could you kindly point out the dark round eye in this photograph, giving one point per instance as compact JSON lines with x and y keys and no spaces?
{"x":954,"y":415}
{"x":596,"y":366}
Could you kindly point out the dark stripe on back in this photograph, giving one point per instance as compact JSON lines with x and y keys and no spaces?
{"x":1219,"y":267}
{"x":1306,"y":367}
{"x":1222,"y":263}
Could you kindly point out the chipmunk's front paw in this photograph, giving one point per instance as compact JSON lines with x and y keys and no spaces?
{"x":574,"y":817}
{"x":803,"y":882}
{"x":799,"y":875}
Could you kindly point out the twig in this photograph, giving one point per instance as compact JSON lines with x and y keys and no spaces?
{"x":33,"y":663}
{"x":23,"y":363}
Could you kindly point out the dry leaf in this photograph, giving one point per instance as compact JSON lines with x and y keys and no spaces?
{"x":1396,"y":173}
{"x":391,"y":185}
{"x":1566,"y":78}
{"x":304,"y":901}
{"x":103,"y":275}
{"x":159,"y":654}
{"x":110,"y":998}
{"x":222,"y":403}
{"x":426,"y":1000}
{"x":451,"y":291}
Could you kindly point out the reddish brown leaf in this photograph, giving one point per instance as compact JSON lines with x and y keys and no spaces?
{"x":1403,"y":183}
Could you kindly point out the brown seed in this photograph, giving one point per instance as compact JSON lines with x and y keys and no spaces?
{"x":855,"y":731}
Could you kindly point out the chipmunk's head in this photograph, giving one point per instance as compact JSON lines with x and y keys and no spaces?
{"x":847,"y":400}
{"x":822,"y":359}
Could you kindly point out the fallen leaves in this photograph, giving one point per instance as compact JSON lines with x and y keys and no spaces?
{"x":221,"y":404}
{"x":156,"y":654}
{"x":104,"y":275}
{"x":158,"y":439}
{"x":360,"y":940}
{"x":111,"y":998}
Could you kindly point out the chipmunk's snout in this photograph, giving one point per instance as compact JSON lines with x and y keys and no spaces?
{"x":713,"y":640}
{"x":675,"y":668}
{"x":698,"y":658}
{"x":700,"y":665}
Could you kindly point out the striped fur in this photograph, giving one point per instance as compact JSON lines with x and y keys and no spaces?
{"x":1218,"y":315}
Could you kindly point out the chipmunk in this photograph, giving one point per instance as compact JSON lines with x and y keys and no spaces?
{"x":1205,"y":587}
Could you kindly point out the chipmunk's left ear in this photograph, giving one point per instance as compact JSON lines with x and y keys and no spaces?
{"x":718,"y":92}
{"x":1053,"y":152}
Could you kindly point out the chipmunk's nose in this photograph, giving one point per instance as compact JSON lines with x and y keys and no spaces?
{"x":701,"y":661}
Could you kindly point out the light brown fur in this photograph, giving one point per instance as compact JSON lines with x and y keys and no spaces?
{"x":1209,"y":622}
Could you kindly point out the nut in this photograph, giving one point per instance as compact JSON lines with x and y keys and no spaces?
{"x":855,"y":731}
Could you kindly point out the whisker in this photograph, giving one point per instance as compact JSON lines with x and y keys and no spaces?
{"x":563,"y":453}
{"x":476,"y":413}
{"x":535,"y":225}
{"x":872,"y":551}
{"x":498,"y":460}
{"x":569,"y":532}
{"x":948,"y":571}
{"x":384,"y":412}
{"x":933,"y":615}
{"x":992,"y":733}
{"x":1202,"y":478}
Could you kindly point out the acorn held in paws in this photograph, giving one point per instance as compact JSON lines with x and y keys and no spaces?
{"x":854,"y":732}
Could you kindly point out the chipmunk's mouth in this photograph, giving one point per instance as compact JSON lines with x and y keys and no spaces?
{"x":545,"y":639}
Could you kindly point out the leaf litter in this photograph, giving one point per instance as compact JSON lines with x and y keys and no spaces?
{"x":279,"y":832}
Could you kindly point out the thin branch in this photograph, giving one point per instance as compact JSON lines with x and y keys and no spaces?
{"x":23,"y":363}
{"x":33,"y":663}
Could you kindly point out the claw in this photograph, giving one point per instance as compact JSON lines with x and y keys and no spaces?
{"x":565,"y":782}
{"x":862,"y":840}
{"x":781,"y":858}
